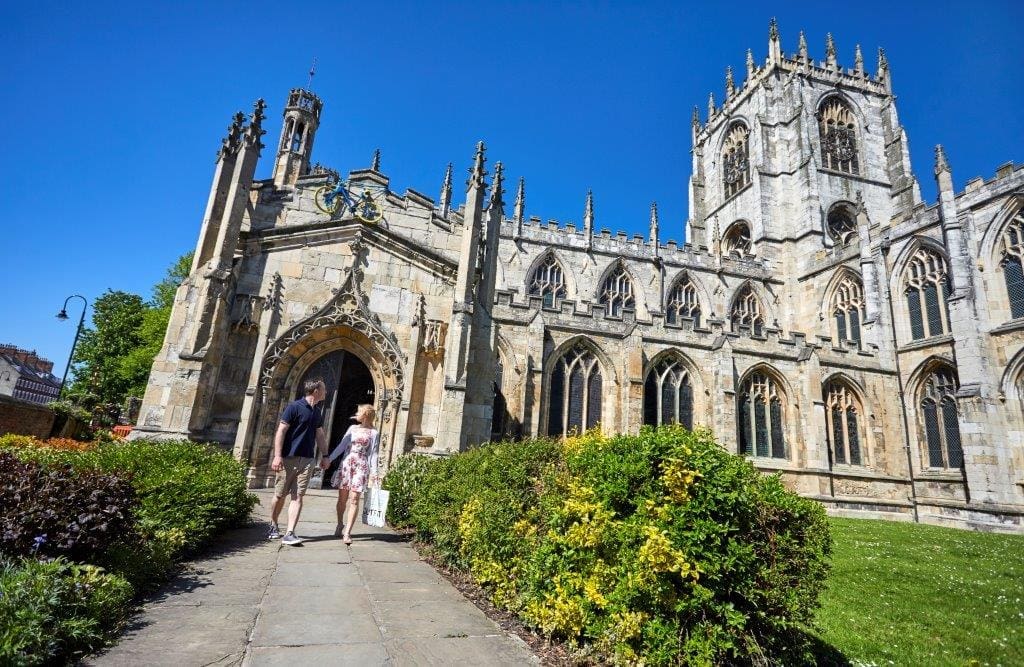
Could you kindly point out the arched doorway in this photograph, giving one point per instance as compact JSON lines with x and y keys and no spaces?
{"x":349,"y":383}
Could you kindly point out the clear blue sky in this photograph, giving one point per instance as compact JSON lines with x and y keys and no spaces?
{"x":113,"y":112}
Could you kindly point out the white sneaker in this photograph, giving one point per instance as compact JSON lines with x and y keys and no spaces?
{"x":290,"y":539}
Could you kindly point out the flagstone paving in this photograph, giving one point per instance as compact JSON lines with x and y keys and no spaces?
{"x":255,"y":602}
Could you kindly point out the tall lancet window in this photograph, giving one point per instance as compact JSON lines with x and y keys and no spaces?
{"x":1012,"y":247}
{"x":939,"y":419}
{"x":668,"y":394}
{"x":682,"y":302}
{"x":837,"y":128}
{"x":617,"y":292}
{"x":300,"y":129}
{"x":844,"y":414}
{"x":848,"y":309}
{"x":746,"y":311}
{"x":927,"y":289}
{"x":760,"y":417}
{"x":574,"y":396}
{"x":736,"y":159}
{"x":548,"y":282}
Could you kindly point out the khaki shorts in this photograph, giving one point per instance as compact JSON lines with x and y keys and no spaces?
{"x":293,"y":477}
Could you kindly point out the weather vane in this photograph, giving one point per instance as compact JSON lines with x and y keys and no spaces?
{"x":312,"y":71}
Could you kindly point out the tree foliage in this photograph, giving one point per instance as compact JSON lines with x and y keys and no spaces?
{"x":114,"y":355}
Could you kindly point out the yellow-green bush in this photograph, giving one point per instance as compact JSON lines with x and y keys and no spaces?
{"x":661,"y":548}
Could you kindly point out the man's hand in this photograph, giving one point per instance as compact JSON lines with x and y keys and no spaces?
{"x":277,"y":464}
{"x":324,"y":463}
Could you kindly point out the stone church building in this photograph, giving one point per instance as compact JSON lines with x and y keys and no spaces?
{"x":820,"y":318}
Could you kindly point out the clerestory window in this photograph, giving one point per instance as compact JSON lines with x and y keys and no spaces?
{"x":746,"y":311}
{"x":682,"y":302}
{"x":848,"y":309}
{"x":548,"y":282}
{"x":927,"y":289}
{"x":617,"y":292}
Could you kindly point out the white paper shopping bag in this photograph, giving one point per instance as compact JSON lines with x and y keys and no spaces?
{"x":375,"y":507}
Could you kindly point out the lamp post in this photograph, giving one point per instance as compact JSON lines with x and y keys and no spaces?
{"x":63,"y":315}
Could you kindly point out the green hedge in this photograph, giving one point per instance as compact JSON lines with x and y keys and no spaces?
{"x":54,"y":611}
{"x":180,"y":495}
{"x":660,"y":548}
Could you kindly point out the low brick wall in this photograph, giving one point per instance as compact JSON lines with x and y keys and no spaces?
{"x":25,"y":418}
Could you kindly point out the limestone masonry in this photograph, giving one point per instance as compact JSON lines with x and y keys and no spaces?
{"x":820,"y":318}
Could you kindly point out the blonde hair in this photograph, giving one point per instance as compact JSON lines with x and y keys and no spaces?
{"x":365,"y":409}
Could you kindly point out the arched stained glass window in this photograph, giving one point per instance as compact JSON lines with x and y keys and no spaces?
{"x":837,"y":130}
{"x":746,"y":311}
{"x":682,"y":302}
{"x":668,"y":394}
{"x":844,"y":414}
{"x":939,"y":415}
{"x":574,"y":397}
{"x":848,"y":309}
{"x":1012,"y":248}
{"x":761,"y":417}
{"x":736,"y":159}
{"x":927,"y":289}
{"x":617,"y":292}
{"x":548,"y":282}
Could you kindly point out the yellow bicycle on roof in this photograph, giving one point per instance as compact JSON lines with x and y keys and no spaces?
{"x":336,"y":200}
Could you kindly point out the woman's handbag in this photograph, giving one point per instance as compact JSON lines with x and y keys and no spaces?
{"x":375,"y":506}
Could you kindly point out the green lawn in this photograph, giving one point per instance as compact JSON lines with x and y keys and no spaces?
{"x":908,"y":594}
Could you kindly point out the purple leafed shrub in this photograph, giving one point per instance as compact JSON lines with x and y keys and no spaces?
{"x":55,"y":511}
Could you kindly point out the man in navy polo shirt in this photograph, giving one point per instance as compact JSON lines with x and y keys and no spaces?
{"x":299,"y":435}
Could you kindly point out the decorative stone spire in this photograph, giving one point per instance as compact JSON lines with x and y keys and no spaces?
{"x":802,"y":49}
{"x":711,"y":106}
{"x":695,"y":124}
{"x":497,"y":189}
{"x":883,"y":70}
{"x":229,"y":146}
{"x":730,"y":85}
{"x":477,"y":172}
{"x":751,"y":67}
{"x":588,"y":216}
{"x":654,"y":224}
{"x":446,"y":192}
{"x":255,"y":129}
{"x":519,"y":208}
{"x":774,"y":43}
{"x":830,"y":53}
{"x":858,"y":61}
{"x":375,"y":164}
{"x":941,"y":163}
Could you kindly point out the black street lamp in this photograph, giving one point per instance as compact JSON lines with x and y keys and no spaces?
{"x":63,"y":315}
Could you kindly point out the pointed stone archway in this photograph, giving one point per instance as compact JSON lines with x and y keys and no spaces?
{"x":344,"y":323}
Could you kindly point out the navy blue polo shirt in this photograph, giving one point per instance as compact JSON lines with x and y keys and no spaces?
{"x":303,"y":420}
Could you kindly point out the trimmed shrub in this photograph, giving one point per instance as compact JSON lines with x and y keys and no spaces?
{"x":57,"y":511}
{"x":660,"y":548}
{"x":53,"y":611}
{"x":192,"y":490}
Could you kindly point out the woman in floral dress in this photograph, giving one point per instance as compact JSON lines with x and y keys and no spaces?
{"x":360,"y":450}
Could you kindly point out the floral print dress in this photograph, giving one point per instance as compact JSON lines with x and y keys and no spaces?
{"x":359,"y":447}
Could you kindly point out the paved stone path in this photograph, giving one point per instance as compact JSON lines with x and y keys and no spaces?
{"x":255,"y":602}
